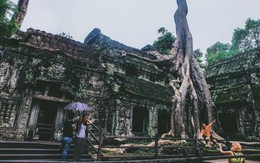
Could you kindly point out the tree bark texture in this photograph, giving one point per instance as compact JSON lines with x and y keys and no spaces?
{"x":191,"y":102}
{"x":22,"y":10}
{"x":191,"y":92}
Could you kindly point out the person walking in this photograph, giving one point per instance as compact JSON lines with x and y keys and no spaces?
{"x":236,"y":150}
{"x":67,"y":130}
{"x":81,"y":137}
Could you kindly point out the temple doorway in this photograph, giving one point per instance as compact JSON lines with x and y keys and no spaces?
{"x":46,"y":120}
{"x":140,"y":120}
{"x":163,"y":122}
{"x":228,"y":124}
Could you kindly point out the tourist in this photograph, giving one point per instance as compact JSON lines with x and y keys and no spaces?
{"x":207,"y":134}
{"x":235,"y":151}
{"x":67,"y":138}
{"x":81,"y":136}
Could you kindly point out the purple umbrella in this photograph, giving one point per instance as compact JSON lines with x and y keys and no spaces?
{"x":78,"y":106}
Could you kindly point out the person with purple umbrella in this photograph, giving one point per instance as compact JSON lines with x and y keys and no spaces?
{"x":81,"y":135}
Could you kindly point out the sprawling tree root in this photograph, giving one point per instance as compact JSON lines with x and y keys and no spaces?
{"x":191,"y":92}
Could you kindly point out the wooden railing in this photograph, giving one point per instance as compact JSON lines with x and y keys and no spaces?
{"x":187,"y":149}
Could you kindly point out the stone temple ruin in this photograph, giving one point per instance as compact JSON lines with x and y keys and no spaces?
{"x":235,"y":90}
{"x":40,"y":73}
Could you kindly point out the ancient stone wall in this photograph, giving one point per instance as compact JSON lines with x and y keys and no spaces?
{"x":37,"y":67}
{"x":37,"y":57}
{"x":235,"y":87}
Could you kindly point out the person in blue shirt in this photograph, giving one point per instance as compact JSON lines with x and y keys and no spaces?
{"x":67,"y":138}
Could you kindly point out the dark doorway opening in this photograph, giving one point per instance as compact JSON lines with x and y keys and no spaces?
{"x":140,"y":120}
{"x":46,"y":120}
{"x":164,"y":122}
{"x":228,"y":124}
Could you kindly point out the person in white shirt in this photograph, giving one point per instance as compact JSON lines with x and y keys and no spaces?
{"x":81,"y":137}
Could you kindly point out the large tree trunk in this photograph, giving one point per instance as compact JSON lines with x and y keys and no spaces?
{"x":191,"y":93}
{"x":193,"y":90}
{"x":22,"y":10}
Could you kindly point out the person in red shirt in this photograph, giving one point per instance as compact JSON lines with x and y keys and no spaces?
{"x":206,"y":133}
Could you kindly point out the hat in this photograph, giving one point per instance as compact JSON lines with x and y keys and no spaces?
{"x":236,"y":147}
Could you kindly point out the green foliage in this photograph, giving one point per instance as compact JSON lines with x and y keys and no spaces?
{"x":8,"y":26}
{"x":218,"y":47}
{"x":242,"y":40}
{"x":247,"y":38}
{"x":219,"y":51}
{"x":220,"y":55}
{"x":67,"y":35}
{"x":163,"y":44}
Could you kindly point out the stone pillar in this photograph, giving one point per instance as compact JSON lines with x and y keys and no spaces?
{"x":256,"y":120}
{"x":241,"y":120}
{"x":1,"y":116}
{"x":123,"y":120}
{"x":34,"y":115}
{"x":2,"y":113}
{"x":117,"y":118}
{"x":23,"y":114}
{"x":128,"y":119}
{"x":59,"y":119}
{"x":152,"y":121}
{"x":12,"y":113}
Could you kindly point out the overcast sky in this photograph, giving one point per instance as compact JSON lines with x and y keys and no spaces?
{"x":135,"y":22}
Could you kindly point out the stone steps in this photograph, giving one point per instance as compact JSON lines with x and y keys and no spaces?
{"x":28,"y":151}
{"x":35,"y":161}
{"x":13,"y":151}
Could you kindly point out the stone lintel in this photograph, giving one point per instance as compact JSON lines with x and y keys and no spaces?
{"x":49,"y":98}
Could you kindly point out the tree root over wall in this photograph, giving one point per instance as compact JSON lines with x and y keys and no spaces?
{"x":191,"y":92}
